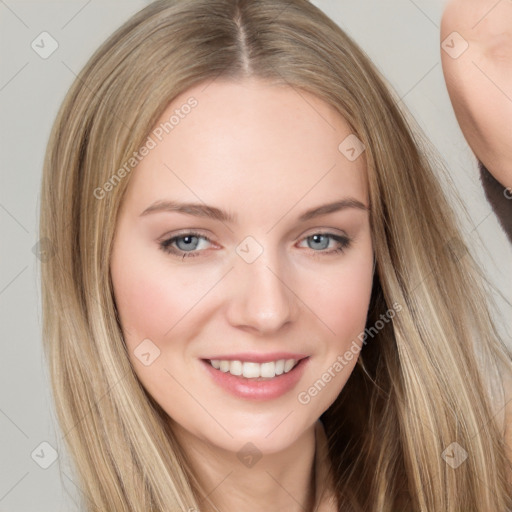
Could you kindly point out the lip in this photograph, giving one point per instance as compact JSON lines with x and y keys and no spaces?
{"x":254,"y":357}
{"x":251,"y":389}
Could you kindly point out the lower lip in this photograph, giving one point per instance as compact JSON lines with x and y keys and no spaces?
{"x":251,"y":389}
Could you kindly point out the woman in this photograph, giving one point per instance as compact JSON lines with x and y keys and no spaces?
{"x":259,"y":370}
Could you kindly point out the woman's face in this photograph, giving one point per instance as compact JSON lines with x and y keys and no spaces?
{"x":259,"y":275}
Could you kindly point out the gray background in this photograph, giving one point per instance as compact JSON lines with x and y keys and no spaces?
{"x":401,"y":37}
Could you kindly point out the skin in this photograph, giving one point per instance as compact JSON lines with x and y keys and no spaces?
{"x":479,"y":81}
{"x":483,"y":107}
{"x":266,"y":154}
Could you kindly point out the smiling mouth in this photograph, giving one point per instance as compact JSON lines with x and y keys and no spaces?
{"x":254,"y":387}
{"x":255,"y":371}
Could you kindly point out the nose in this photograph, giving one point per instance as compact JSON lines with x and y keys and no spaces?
{"x":262,"y":299}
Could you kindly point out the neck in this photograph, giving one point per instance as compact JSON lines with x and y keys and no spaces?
{"x":282,"y":481}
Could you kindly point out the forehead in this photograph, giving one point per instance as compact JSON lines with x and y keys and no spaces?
{"x":249,"y":144}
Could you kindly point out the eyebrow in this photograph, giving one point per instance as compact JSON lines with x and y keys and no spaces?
{"x":211,"y":212}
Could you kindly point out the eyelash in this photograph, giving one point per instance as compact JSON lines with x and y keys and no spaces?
{"x":165,"y":245}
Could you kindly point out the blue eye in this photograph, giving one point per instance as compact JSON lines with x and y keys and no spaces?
{"x":189,"y":242}
{"x":342,"y":241}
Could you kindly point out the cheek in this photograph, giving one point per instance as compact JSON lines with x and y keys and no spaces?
{"x":342,"y":305}
{"x":150,"y":299}
{"x":342,"y":302}
{"x":140,"y":301}
{"x":153,"y":302}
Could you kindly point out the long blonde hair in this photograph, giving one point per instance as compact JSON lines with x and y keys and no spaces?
{"x":419,"y":386}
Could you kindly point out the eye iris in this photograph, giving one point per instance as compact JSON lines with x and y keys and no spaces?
{"x":187,"y":245}
{"x":316,"y":237}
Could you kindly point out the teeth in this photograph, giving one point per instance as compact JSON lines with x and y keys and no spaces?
{"x":252,"y":370}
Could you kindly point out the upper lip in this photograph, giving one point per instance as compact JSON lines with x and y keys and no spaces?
{"x":258,"y":358}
